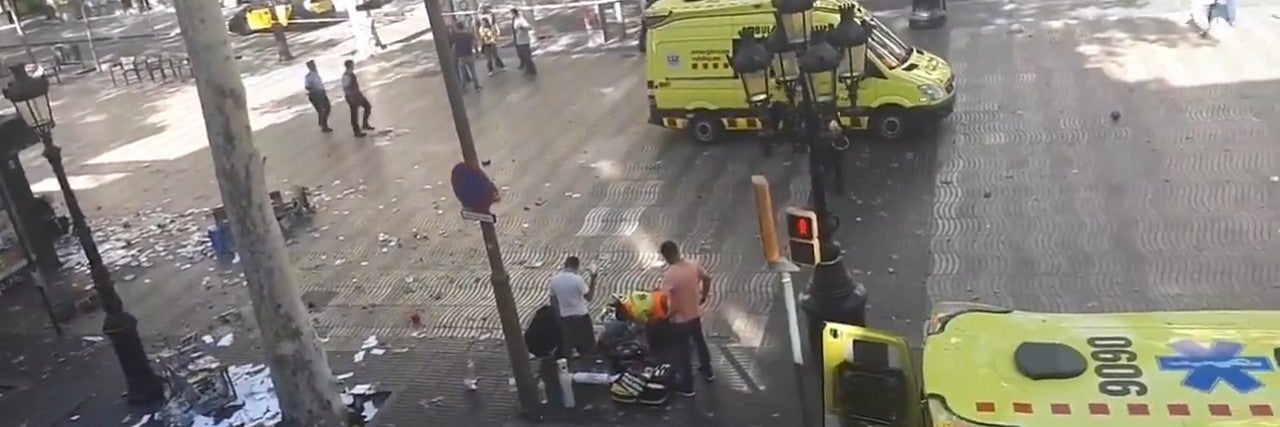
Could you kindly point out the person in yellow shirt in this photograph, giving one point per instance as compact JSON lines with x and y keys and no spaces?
{"x":489,"y":45}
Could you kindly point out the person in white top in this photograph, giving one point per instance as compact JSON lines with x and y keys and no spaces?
{"x":570,"y":296}
{"x":314,"y":86}
{"x":523,"y":34}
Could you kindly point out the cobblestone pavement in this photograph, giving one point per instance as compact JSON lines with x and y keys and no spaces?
{"x":1032,"y":197}
{"x":614,"y":188}
{"x":1044,"y":202}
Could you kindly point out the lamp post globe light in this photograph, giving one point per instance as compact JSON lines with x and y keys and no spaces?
{"x":927,"y":14}
{"x":810,"y":64}
{"x":30,"y":97}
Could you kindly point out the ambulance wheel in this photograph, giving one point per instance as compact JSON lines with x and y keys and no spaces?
{"x":889,"y":123}
{"x":705,"y":129}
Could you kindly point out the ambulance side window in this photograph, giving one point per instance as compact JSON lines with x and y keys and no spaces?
{"x":869,"y":388}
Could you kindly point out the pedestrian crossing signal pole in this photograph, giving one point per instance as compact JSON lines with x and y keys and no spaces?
{"x":784,"y":267}
{"x":526,"y":387}
{"x":777,"y":262}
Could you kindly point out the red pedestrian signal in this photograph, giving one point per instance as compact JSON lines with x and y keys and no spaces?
{"x":802,"y":229}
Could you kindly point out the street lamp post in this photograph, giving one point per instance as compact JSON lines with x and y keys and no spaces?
{"x":812,"y":62}
{"x":30,"y":96}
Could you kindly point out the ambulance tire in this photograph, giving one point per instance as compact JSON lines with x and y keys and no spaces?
{"x":705,"y":128}
{"x":889,"y":123}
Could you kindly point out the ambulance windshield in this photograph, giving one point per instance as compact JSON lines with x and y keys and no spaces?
{"x":886,"y":46}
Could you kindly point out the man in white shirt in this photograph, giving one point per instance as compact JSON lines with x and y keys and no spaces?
{"x":314,"y":86}
{"x":570,"y":295}
{"x":523,"y":34}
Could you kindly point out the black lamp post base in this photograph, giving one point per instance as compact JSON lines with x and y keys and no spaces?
{"x":145,"y":389}
{"x":927,"y":19}
{"x":832,"y":296}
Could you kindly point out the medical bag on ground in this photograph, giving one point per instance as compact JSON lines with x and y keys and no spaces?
{"x":647,"y":386}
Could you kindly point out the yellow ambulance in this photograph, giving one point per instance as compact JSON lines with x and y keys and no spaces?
{"x":988,"y":366}
{"x":692,"y":88}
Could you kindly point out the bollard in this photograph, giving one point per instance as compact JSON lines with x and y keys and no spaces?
{"x":566,"y":383}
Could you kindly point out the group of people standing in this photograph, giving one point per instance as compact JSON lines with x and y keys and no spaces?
{"x":465,"y":46}
{"x":356,"y":101}
{"x":687,"y":289}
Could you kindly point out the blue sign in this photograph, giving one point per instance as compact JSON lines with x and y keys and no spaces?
{"x":473,"y":188}
{"x":1220,"y":362}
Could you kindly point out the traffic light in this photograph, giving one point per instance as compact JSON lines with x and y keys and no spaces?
{"x":802,"y":228}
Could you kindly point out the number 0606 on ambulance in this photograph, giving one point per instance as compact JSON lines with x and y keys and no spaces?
{"x":692,"y":87}
{"x":992,"y":367}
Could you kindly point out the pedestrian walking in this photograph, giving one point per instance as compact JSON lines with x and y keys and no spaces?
{"x":571,"y":294}
{"x":464,"y":54}
{"x":687,"y":286}
{"x":489,"y":45}
{"x":523,"y":34}
{"x":355,"y":99}
{"x":314,"y":86}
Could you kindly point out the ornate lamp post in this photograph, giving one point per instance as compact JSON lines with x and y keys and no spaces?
{"x":30,"y":96}
{"x":927,"y":14}
{"x":809,"y":66}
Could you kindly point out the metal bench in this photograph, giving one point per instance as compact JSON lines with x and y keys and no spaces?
{"x":125,"y":65}
{"x":285,"y":210}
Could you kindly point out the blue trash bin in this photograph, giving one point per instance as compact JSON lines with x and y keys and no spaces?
{"x":220,"y":239}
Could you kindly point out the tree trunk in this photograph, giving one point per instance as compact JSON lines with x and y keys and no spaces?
{"x":304,"y":383}
{"x":359,"y":28}
{"x":277,"y":32}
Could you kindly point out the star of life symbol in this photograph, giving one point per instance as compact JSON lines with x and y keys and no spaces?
{"x":1219,"y":362}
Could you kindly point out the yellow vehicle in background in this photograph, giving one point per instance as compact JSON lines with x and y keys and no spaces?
{"x":989,"y":366}
{"x":692,"y":88}
{"x":255,"y":16}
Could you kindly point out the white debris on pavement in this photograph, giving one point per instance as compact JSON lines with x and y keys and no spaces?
{"x":257,"y":399}
{"x":369,"y":343}
{"x":226,"y":340}
{"x":92,"y":338}
{"x":359,"y":357}
{"x":151,"y":236}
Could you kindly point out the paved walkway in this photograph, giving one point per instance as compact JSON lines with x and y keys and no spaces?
{"x":617,"y":188}
{"x":1166,"y":208}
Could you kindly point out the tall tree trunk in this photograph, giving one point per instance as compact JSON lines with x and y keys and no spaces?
{"x":359,"y":22}
{"x":277,"y":32}
{"x":304,"y":384}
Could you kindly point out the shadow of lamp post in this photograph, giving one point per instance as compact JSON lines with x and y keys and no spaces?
{"x":30,"y":97}
{"x":808,"y":63}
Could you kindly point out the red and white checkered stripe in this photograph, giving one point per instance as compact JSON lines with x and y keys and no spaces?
{"x":1133,"y":409}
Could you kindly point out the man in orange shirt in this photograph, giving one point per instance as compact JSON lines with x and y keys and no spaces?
{"x":688,"y":286}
